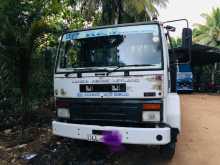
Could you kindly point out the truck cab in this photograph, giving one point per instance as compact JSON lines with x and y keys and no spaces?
{"x":114,"y":81}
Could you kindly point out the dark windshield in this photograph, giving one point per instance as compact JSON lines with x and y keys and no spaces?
{"x":114,"y":50}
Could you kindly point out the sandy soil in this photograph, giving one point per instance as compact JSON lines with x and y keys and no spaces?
{"x":198,"y":144}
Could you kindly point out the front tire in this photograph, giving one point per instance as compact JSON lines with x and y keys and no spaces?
{"x":167,"y":151}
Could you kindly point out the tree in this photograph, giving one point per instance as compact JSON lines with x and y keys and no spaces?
{"x":121,"y":11}
{"x":27,"y":28}
{"x":22,"y":25}
{"x":209,"y":34}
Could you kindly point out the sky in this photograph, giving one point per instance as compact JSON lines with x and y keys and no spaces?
{"x":189,"y":9}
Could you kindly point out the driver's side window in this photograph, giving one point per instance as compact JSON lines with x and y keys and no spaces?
{"x":69,"y":54}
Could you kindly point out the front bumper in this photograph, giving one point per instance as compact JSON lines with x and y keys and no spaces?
{"x":129,"y":135}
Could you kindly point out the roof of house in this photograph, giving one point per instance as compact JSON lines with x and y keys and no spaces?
{"x":200,"y":54}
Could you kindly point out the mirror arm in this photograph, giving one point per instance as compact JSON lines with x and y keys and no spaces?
{"x":177,"y":20}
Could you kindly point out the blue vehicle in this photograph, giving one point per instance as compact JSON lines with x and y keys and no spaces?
{"x":184,"y":79}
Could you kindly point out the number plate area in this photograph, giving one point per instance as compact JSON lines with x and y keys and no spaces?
{"x":107,"y":137}
{"x":93,"y":138}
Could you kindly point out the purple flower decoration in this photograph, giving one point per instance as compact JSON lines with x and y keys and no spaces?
{"x":113,"y":139}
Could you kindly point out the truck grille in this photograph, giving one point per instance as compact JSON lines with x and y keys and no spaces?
{"x":121,"y":110}
{"x":106,"y":112}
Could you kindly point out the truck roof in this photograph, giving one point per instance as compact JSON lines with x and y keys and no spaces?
{"x":116,"y":25}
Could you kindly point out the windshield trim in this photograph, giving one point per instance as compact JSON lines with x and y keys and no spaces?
{"x":105,"y":70}
{"x":114,"y":26}
{"x":101,"y":70}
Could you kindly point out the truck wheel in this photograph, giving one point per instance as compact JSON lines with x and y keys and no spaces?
{"x":167,"y":151}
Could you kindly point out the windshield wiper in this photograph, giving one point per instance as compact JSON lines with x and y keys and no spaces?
{"x":118,"y":67}
{"x":141,"y":65}
{"x":78,"y":71}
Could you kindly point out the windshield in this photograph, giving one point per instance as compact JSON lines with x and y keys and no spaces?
{"x":138,"y":45}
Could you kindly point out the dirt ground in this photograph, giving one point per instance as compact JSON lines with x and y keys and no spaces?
{"x":198,"y":144}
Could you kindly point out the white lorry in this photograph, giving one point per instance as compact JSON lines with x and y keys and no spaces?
{"x":116,"y":80}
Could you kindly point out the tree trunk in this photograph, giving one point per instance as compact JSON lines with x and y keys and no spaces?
{"x":116,"y":20}
{"x":148,"y":14}
{"x":118,"y":12}
{"x":213,"y":73}
{"x":24,"y":85}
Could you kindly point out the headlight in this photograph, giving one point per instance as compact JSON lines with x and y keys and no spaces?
{"x":151,"y":116}
{"x":63,"y":113}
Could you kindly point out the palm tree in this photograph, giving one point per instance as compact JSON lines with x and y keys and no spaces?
{"x":209,"y":34}
{"x":121,"y":11}
{"x":146,"y":8}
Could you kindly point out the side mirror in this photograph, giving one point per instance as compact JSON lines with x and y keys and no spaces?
{"x":187,"y":38}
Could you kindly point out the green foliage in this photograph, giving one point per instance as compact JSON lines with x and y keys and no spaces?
{"x":28,"y":30}
{"x":119,"y":11}
{"x":209,"y":33}
{"x":176,"y":42}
